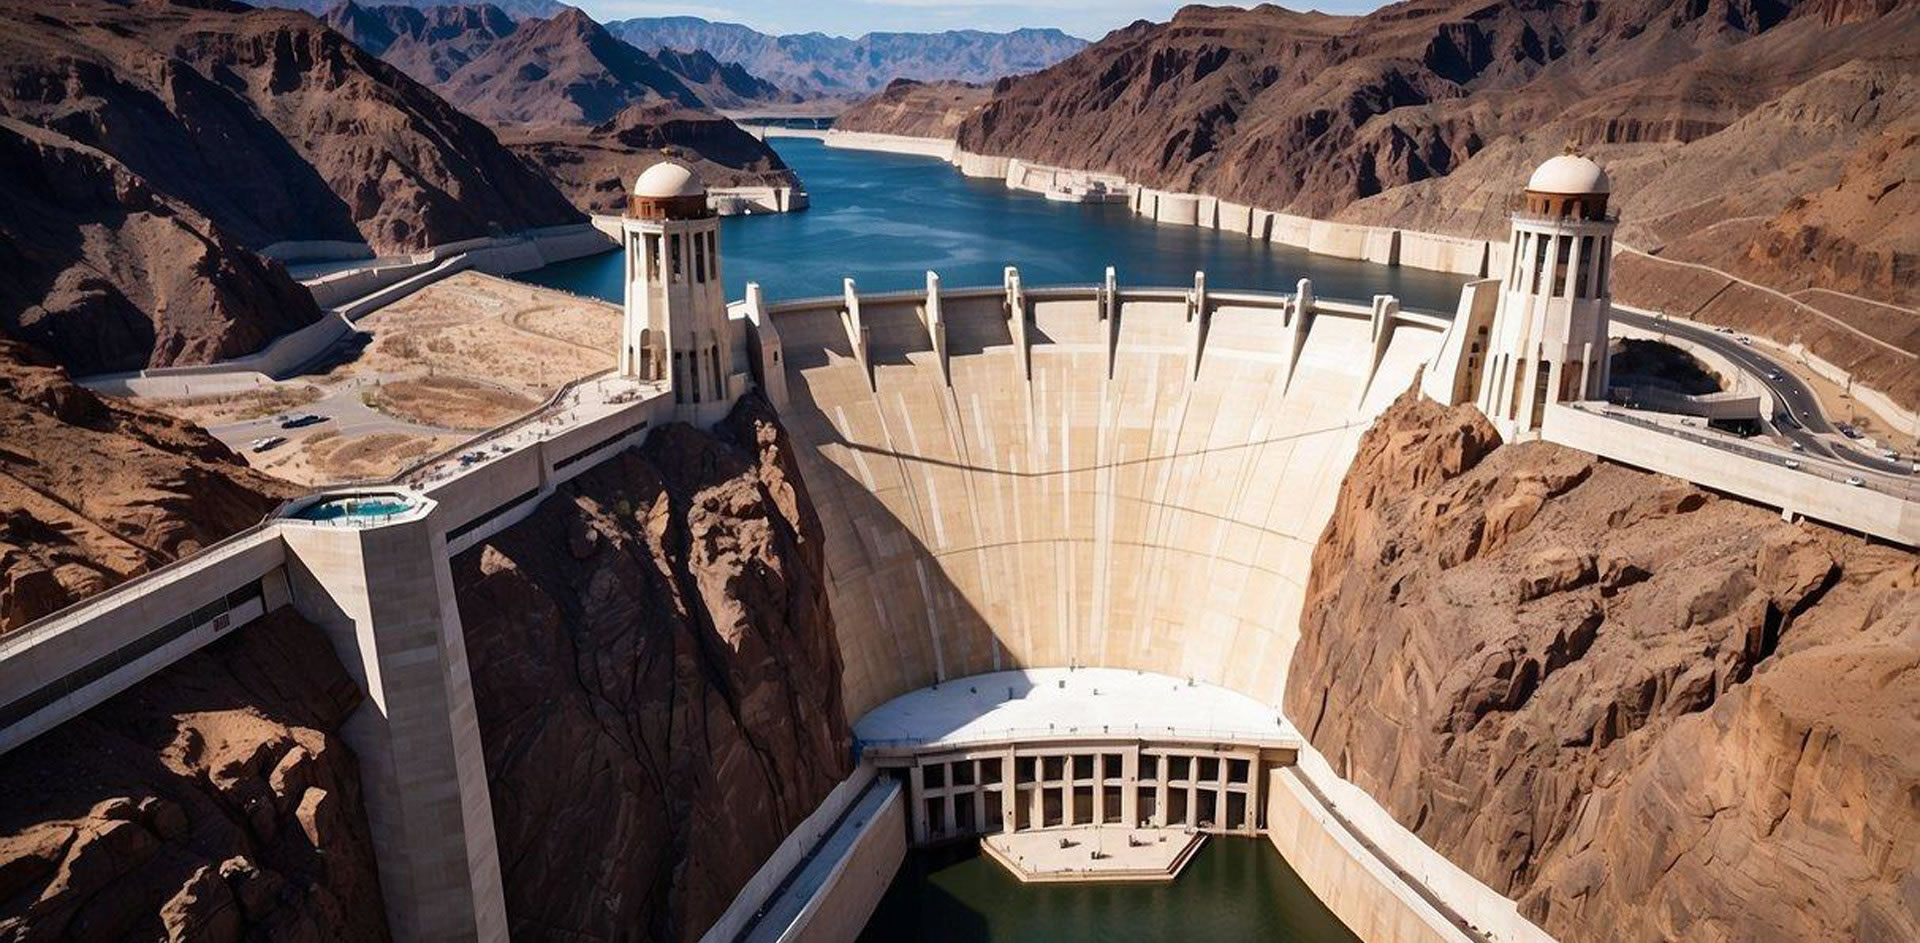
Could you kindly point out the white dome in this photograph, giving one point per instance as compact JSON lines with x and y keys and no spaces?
{"x":669,"y":178}
{"x":1569,"y":173}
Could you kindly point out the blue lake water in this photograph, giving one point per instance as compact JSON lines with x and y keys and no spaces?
{"x":885,"y":219}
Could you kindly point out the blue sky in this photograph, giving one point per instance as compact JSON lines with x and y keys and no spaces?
{"x":1088,"y":18}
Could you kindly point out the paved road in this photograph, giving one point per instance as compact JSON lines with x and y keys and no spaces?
{"x":346,"y":413}
{"x":1808,"y":425}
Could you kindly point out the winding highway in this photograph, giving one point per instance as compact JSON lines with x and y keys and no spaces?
{"x":1803,"y":424}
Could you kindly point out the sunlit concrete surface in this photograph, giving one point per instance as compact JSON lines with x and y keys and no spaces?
{"x":1035,"y":704}
{"x":1086,"y":853}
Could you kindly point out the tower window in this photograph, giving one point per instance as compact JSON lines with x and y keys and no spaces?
{"x":1581,"y":288}
{"x":653,"y":258}
{"x":719,"y":393}
{"x":1563,"y":248}
{"x":699,"y":258}
{"x":1540,"y":387}
{"x":1539,"y":264}
{"x":673,"y":249}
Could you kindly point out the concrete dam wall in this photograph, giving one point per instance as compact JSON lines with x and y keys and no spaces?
{"x":1135,"y":491}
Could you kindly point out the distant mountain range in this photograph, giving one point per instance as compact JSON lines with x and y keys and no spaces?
{"x":815,"y":64}
{"x":812,"y":65}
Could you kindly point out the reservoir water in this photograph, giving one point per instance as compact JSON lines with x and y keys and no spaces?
{"x":885,"y":219}
{"x":1234,"y":889}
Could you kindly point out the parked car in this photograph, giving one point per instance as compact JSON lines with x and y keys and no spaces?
{"x":1849,"y":431}
{"x":307,"y":419}
{"x":1790,"y":463}
{"x":1890,"y":455}
{"x":1855,"y":480}
{"x":268,"y":442}
{"x":1746,"y":340}
{"x":1797,"y":447}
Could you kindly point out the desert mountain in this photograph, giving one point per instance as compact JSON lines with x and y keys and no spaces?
{"x":433,"y":44}
{"x":150,"y":147}
{"x":517,"y":9}
{"x":816,"y":64}
{"x":1740,"y":134}
{"x":595,"y":165}
{"x":917,"y":109}
{"x":590,"y":109}
{"x":559,"y":70}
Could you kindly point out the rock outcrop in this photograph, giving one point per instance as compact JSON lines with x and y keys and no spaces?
{"x":1642,"y":710}
{"x":94,"y":490}
{"x":596,"y":166}
{"x":212,"y":801}
{"x":917,"y":109}
{"x":657,"y":679}
{"x":157,"y":142}
{"x":567,"y":69}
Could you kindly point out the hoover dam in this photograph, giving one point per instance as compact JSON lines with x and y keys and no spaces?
{"x":1066,"y":537}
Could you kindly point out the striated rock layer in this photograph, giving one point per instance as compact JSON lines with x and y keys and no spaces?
{"x":916,"y":109}
{"x":149,"y":149}
{"x":94,"y":490}
{"x":213,"y":801}
{"x":1642,"y":710}
{"x":659,"y":689}
{"x":595,"y":166}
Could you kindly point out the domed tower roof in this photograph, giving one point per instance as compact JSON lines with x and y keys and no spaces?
{"x":668,"y":190}
{"x":1571,"y":175}
{"x":1570,"y":186}
{"x":669,"y":178}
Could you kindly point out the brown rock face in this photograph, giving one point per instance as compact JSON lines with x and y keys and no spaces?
{"x":918,"y":109}
{"x":106,"y":273}
{"x":94,"y":490}
{"x":595,"y":166}
{"x":658,"y":682}
{"x":178,"y":810}
{"x":1643,"y":711}
{"x":147,"y":147}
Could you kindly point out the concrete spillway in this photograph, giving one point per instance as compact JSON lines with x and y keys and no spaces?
{"x":1136,"y":492}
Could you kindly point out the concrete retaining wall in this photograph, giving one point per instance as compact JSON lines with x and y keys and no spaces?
{"x":1357,"y":886}
{"x":892,"y":143}
{"x":1455,"y":254}
{"x":859,"y":879}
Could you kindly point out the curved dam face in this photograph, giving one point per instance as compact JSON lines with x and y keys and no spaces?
{"x":1135,"y":491}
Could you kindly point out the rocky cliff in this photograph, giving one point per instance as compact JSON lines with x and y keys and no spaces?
{"x":917,"y":109}
{"x":94,"y":490}
{"x":213,"y":801}
{"x":658,"y":683}
{"x":151,"y":145}
{"x":1642,"y":710}
{"x":596,"y":166}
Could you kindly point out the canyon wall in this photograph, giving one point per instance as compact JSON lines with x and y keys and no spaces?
{"x":213,"y":801}
{"x":1642,"y":710}
{"x":149,"y":150}
{"x":654,"y":664}
{"x":94,"y":490}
